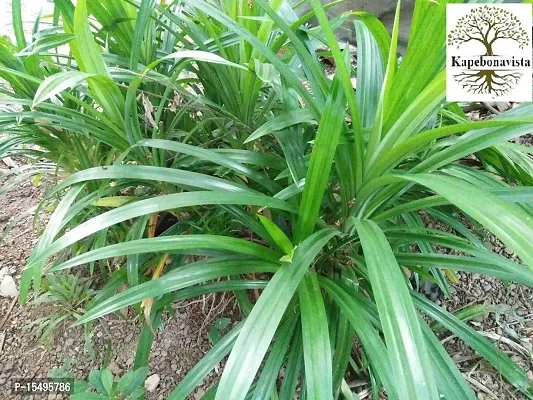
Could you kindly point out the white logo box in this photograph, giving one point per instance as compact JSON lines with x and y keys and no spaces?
{"x":488,"y":52}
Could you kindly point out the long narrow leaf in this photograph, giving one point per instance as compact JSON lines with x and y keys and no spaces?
{"x":261,"y":324}
{"x":413,"y":377}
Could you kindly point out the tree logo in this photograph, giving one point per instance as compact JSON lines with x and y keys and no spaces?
{"x":489,"y":52}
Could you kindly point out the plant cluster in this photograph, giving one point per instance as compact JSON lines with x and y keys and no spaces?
{"x":202,"y":148}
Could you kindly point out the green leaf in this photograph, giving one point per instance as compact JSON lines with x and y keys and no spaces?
{"x":185,"y":276}
{"x":56,"y":83}
{"x":409,"y":122}
{"x":316,"y":343}
{"x":106,"y":377}
{"x":266,"y":383}
{"x":144,"y":346}
{"x":151,"y":206}
{"x":499,"y":360}
{"x":480,"y":139}
{"x":182,"y":178}
{"x":450,"y":382}
{"x":132,"y":380}
{"x":143,"y":19}
{"x":278,"y":235}
{"x":506,"y":220}
{"x":168,"y":244}
{"x":413,"y":376}
{"x":44,"y":42}
{"x":378,"y":31}
{"x":195,"y":376}
{"x":329,"y":131}
{"x":95,"y":380}
{"x":342,"y":352}
{"x":370,"y":73}
{"x":89,"y":58}
{"x":18,"y":26}
{"x":34,"y":269}
{"x":370,"y":338}
{"x":260,"y":326}
{"x":202,"y":56}
{"x":500,"y":268}
{"x":280,"y":122}
{"x":342,"y":64}
{"x":211,"y":156}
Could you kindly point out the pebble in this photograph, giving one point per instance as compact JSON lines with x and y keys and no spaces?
{"x":8,"y":287}
{"x":152,"y":382}
{"x":199,"y":394}
{"x":114,"y":368}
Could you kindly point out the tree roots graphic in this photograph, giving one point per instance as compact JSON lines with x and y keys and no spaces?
{"x":497,"y":83}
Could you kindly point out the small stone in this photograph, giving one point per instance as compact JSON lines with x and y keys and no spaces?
{"x":530,"y":375}
{"x":130,"y":361}
{"x":114,"y":368}
{"x":509,"y":251}
{"x":199,"y":394}
{"x":8,"y":287}
{"x":174,"y":366}
{"x":69,"y":342}
{"x":151,"y":382}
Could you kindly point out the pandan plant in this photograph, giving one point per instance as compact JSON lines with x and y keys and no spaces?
{"x":203,"y":149}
